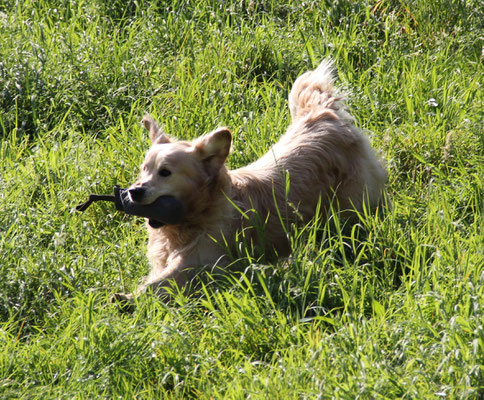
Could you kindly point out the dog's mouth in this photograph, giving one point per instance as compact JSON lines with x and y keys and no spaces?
{"x":165,"y":210}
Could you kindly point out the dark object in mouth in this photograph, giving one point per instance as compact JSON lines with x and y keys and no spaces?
{"x":165,"y":210}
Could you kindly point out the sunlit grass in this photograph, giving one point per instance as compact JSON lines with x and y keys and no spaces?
{"x":390,"y":308}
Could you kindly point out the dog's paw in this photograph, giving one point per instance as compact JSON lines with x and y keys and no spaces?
{"x":124,"y":302}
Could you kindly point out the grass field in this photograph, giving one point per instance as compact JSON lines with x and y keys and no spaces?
{"x":395,"y":313}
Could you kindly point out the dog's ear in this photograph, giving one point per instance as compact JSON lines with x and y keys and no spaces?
{"x":214,"y":148}
{"x":157,"y":135}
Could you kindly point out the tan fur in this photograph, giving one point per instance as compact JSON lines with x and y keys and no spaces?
{"x":325,"y":156}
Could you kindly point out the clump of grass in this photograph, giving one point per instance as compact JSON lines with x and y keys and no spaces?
{"x":389,"y":308}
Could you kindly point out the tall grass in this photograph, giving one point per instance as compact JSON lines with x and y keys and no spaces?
{"x":391,"y":308}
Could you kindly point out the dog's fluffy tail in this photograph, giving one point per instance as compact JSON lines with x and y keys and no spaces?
{"x":314,"y":93}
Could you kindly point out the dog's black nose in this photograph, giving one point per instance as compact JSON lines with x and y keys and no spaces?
{"x":136,"y":193}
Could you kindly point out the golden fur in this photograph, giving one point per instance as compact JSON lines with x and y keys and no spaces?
{"x":325,"y":157}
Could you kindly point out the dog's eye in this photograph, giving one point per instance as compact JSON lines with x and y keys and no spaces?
{"x":164,"y":172}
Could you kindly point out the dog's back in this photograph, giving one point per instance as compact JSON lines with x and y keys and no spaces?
{"x":322,"y":157}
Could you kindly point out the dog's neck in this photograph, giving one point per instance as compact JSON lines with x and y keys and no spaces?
{"x":209,"y":205}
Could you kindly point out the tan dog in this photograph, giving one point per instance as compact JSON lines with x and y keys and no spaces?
{"x":325,"y":157}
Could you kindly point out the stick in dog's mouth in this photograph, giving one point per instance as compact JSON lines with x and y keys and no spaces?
{"x":165,"y":210}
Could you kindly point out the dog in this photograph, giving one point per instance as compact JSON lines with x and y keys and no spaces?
{"x":321,"y":160}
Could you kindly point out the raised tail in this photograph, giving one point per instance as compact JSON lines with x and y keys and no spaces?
{"x":314,"y":93}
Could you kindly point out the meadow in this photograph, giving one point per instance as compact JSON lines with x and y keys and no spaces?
{"x":391,"y":308}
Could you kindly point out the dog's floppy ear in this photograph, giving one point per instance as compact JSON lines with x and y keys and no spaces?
{"x":157,"y":135}
{"x":214,"y":148}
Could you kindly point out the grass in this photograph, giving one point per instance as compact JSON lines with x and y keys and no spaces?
{"x":394,"y":313}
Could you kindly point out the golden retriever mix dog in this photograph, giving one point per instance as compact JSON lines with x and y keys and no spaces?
{"x":324,"y":156}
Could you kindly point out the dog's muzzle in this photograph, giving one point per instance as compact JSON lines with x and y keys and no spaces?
{"x":165,"y":210}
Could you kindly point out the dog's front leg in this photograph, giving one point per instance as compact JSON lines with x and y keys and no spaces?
{"x":161,"y":282}
{"x":180,"y":271}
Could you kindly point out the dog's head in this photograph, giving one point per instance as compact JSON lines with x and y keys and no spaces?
{"x":184,"y":170}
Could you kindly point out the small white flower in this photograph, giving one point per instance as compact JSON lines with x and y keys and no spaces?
{"x":432,"y":102}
